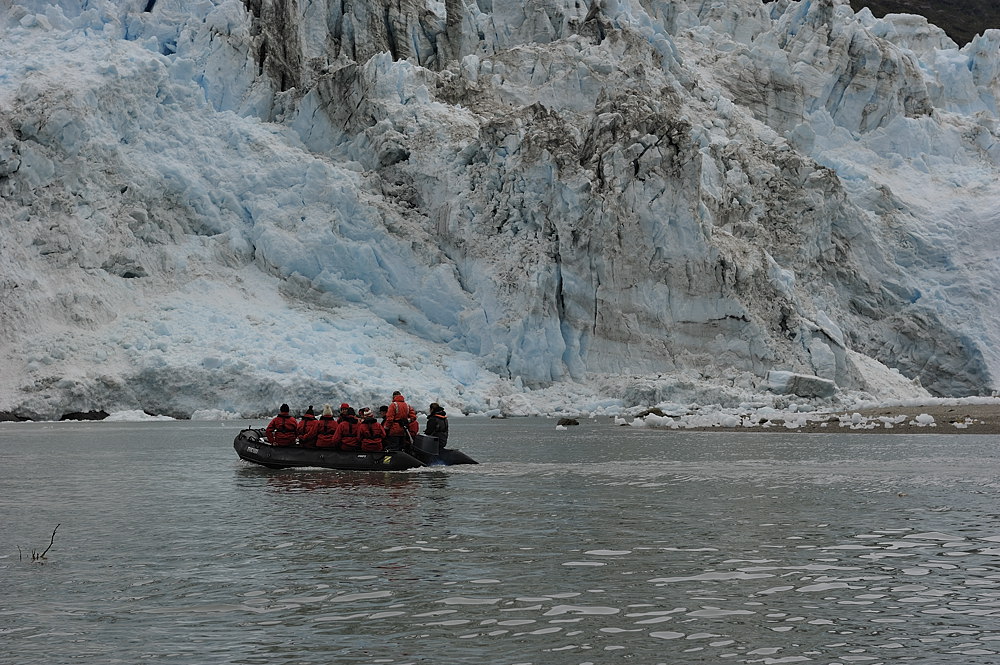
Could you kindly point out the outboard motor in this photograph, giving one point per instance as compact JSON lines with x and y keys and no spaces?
{"x":428,"y":445}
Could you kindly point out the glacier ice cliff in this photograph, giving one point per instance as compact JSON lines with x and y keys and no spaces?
{"x":230,"y":204}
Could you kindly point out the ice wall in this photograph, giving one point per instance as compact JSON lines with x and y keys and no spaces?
{"x":543,"y":191}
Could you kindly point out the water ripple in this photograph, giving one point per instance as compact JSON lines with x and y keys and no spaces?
{"x":650,"y":548}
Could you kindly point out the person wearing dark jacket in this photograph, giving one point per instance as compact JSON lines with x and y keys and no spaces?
{"x":437,"y":424}
{"x":283,"y":427}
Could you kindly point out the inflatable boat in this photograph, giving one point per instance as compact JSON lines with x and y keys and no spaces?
{"x":252,"y":446}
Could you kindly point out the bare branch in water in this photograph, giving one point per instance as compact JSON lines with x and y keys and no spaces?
{"x":51,"y":541}
{"x":35,"y":555}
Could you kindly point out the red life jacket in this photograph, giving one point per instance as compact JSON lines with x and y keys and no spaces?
{"x":400,"y":418}
{"x":308,"y":429}
{"x":347,"y":435}
{"x":371,"y":435}
{"x":282,"y":429}
{"x":326,"y":431}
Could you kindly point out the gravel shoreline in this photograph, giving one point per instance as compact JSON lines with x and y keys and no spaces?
{"x":947,"y":419}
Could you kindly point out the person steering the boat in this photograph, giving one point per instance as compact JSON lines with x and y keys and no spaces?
{"x":437,"y":424}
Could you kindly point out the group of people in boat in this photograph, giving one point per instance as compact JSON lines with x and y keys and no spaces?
{"x":357,"y":431}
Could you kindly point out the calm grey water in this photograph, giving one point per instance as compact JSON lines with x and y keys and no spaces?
{"x":592,"y":545}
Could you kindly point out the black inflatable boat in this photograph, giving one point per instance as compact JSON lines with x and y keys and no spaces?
{"x":252,"y":446}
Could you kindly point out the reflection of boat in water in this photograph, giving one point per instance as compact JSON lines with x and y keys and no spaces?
{"x":251,"y":445}
{"x":305,"y":479}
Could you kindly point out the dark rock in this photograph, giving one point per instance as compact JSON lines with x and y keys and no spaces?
{"x":10,"y":416}
{"x":85,"y":415}
{"x":566,"y":422}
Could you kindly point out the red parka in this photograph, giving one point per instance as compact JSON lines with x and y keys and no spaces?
{"x":348,"y":436}
{"x":399,"y":416}
{"x":372,"y":435}
{"x":282,"y":429}
{"x":308,"y":430}
{"x":326,"y":430}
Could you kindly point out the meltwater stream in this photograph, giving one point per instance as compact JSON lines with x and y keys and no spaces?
{"x":596,"y":544}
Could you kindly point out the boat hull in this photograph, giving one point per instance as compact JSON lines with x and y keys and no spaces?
{"x":425,"y":448}
{"x":252,"y":446}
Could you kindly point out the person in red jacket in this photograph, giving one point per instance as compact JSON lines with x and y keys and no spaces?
{"x":372,"y":433}
{"x":400,"y":423}
{"x":326,"y":428}
{"x":308,"y":428}
{"x":283,"y":427}
{"x":348,"y":436}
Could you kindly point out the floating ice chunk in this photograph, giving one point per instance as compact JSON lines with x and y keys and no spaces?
{"x":463,"y":600}
{"x":934,"y":535}
{"x":581,"y":609}
{"x":825,"y":586}
{"x":653,"y":420}
{"x":713,"y":576}
{"x":133,"y":416}
{"x":608,"y":552}
{"x":796,"y":422}
{"x":215,"y":414}
{"x":718,"y":612}
{"x":352,"y":597}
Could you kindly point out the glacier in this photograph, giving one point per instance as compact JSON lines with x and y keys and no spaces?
{"x":545,"y":206}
